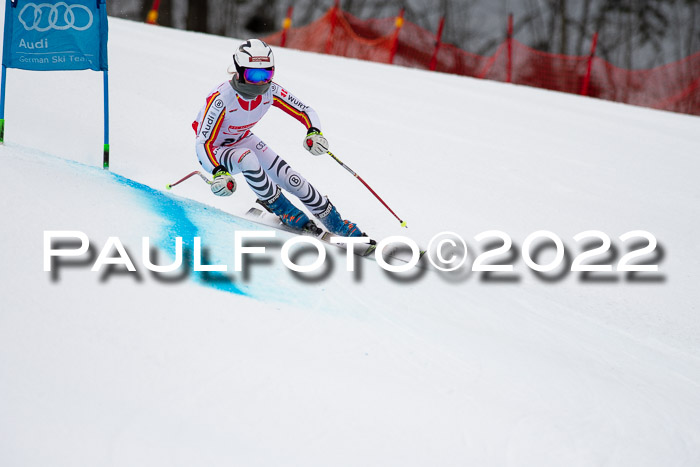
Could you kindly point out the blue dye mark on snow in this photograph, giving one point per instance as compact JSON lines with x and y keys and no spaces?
{"x":181,"y":225}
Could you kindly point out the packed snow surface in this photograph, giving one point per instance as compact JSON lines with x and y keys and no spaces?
{"x":266,"y":367}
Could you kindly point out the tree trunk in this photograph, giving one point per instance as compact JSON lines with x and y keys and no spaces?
{"x":165,"y":13}
{"x":563,"y":46}
{"x":145,"y":8}
{"x":197,"y":13}
{"x":583,"y":28}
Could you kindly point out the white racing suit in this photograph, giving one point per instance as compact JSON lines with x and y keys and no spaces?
{"x":224,"y":138}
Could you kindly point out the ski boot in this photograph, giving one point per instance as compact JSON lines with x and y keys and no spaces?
{"x":336,"y":225}
{"x":289,"y":214}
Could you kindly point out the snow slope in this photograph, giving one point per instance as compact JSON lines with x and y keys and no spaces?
{"x":368,"y":368}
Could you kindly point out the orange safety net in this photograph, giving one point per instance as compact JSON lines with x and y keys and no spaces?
{"x":674,"y":87}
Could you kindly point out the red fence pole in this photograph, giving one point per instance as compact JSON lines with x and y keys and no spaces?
{"x":395,"y":39}
{"x":587,"y":78}
{"x":286,"y":25}
{"x":334,"y":20}
{"x":433,"y":59}
{"x":509,"y":42}
{"x":152,"y":17}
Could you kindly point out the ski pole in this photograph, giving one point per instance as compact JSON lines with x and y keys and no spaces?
{"x":403,"y":223}
{"x":196,"y":172}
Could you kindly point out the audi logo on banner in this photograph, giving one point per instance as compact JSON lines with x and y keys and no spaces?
{"x":59,"y":16}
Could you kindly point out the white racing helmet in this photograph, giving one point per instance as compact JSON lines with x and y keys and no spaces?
{"x":254,"y":62}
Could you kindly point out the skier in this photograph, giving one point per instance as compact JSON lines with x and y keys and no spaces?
{"x":226,"y":144}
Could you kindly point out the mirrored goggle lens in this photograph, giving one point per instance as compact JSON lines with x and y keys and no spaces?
{"x":258,"y":75}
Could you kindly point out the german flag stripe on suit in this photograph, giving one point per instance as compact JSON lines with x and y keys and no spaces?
{"x":296,"y":113}
{"x":209,"y":144}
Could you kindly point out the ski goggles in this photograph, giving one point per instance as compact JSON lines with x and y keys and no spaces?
{"x":258,"y":75}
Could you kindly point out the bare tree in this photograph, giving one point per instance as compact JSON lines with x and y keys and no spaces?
{"x":197,"y":15}
{"x":165,"y":17}
{"x":129,"y":9}
{"x":582,"y":25}
{"x":632,"y":33}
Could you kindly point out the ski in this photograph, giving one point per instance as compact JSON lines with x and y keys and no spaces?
{"x":262,"y":217}
{"x":325,"y":236}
